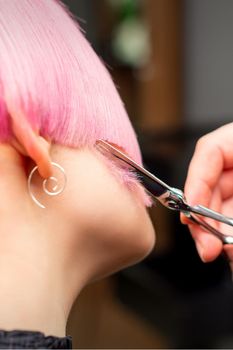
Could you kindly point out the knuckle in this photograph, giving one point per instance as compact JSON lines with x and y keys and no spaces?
{"x":202,"y":141}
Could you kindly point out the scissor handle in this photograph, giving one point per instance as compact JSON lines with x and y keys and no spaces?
{"x":201,"y":210}
{"x":188,"y":210}
{"x":225,"y":239}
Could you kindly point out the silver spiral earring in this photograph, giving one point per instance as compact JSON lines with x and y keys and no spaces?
{"x":55,"y":188}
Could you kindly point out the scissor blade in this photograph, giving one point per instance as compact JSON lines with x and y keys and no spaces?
{"x":151,"y":183}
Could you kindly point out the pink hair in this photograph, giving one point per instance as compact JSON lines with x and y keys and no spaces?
{"x":50,"y":72}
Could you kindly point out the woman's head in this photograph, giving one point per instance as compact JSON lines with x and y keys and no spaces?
{"x":56,"y":100}
{"x":50,"y":72}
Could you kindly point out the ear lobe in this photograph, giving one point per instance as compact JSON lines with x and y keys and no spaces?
{"x":30,"y":144}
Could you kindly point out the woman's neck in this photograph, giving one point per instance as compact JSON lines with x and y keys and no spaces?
{"x":38,"y":286}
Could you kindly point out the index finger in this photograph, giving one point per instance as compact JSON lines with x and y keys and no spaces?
{"x":204,"y":172}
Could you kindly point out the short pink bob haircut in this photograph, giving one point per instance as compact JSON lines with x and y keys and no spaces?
{"x":49,"y":71}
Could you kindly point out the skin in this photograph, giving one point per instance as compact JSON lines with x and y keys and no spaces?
{"x":94,"y":228}
{"x":209,"y":182}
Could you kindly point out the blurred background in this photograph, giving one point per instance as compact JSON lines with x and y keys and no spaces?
{"x":171,"y":61}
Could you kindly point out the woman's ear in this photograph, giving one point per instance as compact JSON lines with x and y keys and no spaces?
{"x":30,"y":143}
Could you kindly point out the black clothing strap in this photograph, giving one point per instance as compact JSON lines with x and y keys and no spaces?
{"x":20,"y":339}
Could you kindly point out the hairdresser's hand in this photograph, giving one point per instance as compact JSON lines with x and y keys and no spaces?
{"x":210,"y":183}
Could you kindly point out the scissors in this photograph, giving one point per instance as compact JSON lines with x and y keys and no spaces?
{"x":172,"y":198}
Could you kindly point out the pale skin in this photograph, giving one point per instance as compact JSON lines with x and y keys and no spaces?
{"x":210,"y":182}
{"x":94,"y":228}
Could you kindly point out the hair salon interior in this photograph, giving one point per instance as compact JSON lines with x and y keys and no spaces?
{"x":172,"y":63}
